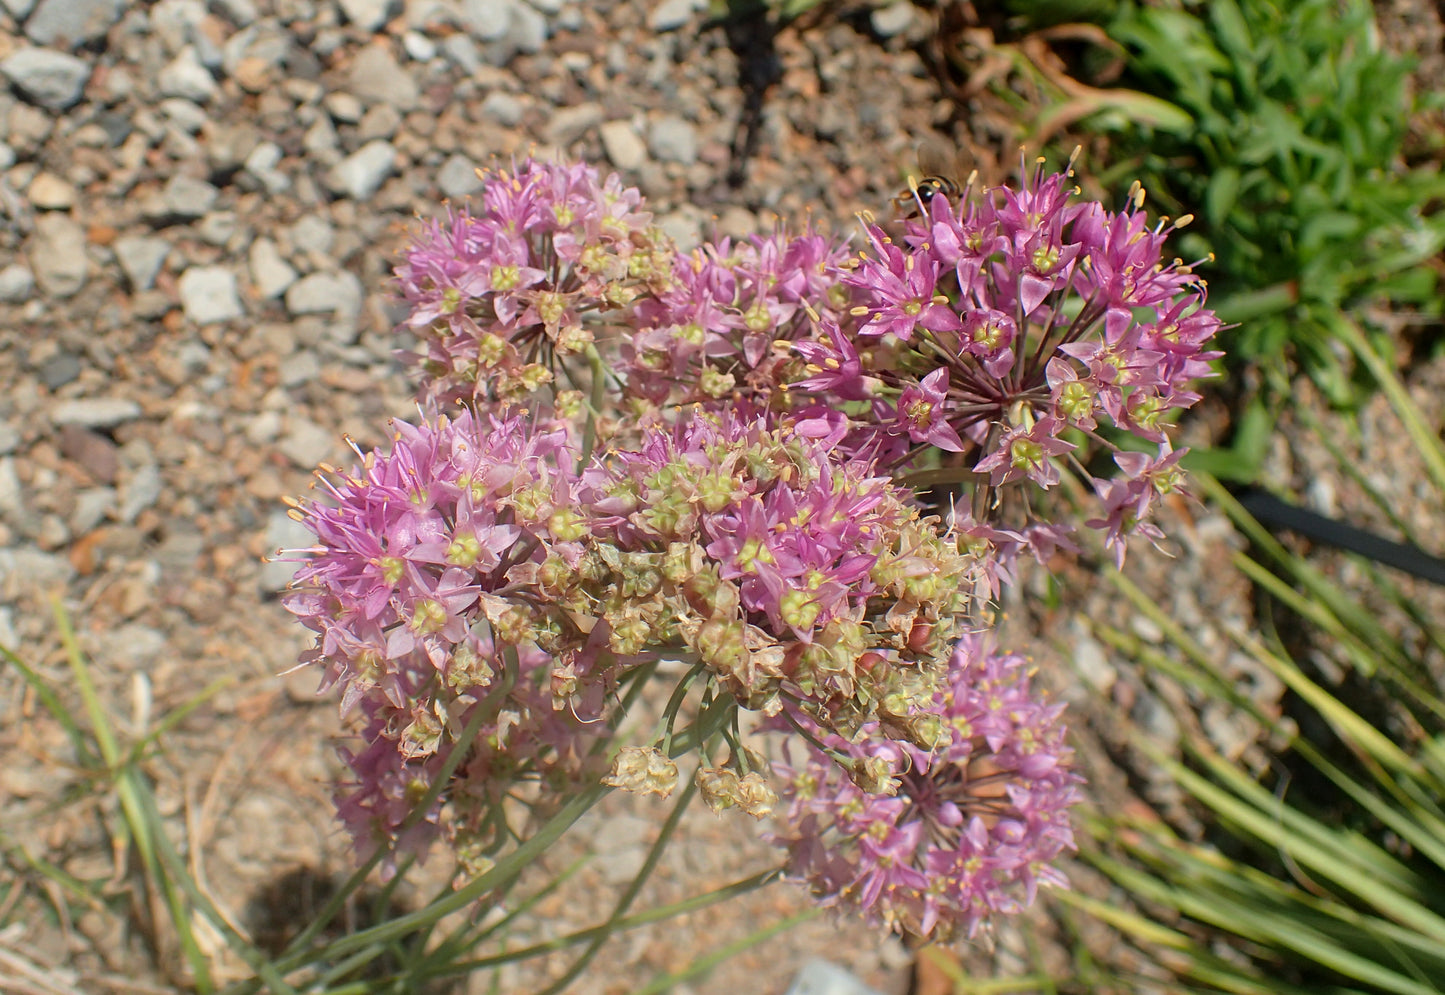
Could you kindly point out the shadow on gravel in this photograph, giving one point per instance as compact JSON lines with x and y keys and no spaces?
{"x":278,"y":912}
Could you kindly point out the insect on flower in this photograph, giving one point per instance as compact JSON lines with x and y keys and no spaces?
{"x":940,"y":166}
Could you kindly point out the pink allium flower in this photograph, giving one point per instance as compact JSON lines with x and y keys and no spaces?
{"x":1129,"y":502}
{"x":938,"y":841}
{"x":1005,"y":328}
{"x":897,"y":292}
{"x":793,"y":575}
{"x":714,"y":328}
{"x":412,"y":537}
{"x":499,"y":297}
{"x":921,"y":413}
{"x":401,"y":750}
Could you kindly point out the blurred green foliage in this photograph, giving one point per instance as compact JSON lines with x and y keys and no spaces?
{"x":1289,"y":153}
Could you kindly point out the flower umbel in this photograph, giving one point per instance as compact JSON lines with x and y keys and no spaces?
{"x":970,"y":827}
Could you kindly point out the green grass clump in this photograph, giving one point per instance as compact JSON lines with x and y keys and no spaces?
{"x":1290,"y":152}
{"x":1326,"y":872}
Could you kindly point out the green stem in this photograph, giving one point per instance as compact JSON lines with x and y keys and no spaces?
{"x":594,"y":404}
{"x":630,"y":894}
{"x":659,"y":914}
{"x":1424,"y":438}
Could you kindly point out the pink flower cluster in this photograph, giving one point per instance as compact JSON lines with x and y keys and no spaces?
{"x":724,"y":482}
{"x":713,"y":330}
{"x":798,"y":582}
{"x":499,"y":298}
{"x":1003,"y":331}
{"x":801,"y":582}
{"x":963,"y":830}
{"x":408,"y":546}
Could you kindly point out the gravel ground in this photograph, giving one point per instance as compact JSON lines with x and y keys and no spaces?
{"x":202,"y":204}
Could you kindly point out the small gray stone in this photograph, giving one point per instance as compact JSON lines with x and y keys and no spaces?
{"x":51,"y":79}
{"x":671,"y":139}
{"x":185,"y":114}
{"x":176,"y":21}
{"x":737,"y":222}
{"x":1156,"y":718}
{"x":133,"y":647}
{"x":241,"y":12}
{"x":462,"y":52}
{"x":208,"y":294}
{"x":263,"y":428}
{"x":262,"y":163}
{"x":17,"y":283}
{"x":141,"y":259}
{"x":321,"y":138}
{"x":571,"y":123}
{"x":270,"y":272}
{"x":9,"y":638}
{"x":376,"y":76}
{"x":313,"y":233}
{"x":1231,"y":730}
{"x":624,"y":147}
{"x":29,"y":570}
{"x":219,"y":227}
{"x":9,"y":438}
{"x":12,"y":492}
{"x":72,"y":23}
{"x":59,"y":370}
{"x":362,"y":173}
{"x":186,"y":198}
{"x":229,"y":145}
{"x":95,"y":412}
{"x":683,"y":226}
{"x":893,"y":19}
{"x":529,"y":29}
{"x":267,"y":42}
{"x":368,"y":15}
{"x":669,"y":15}
{"x":187,"y":78}
{"x":418,"y":47}
{"x":139,"y":491}
{"x":503,"y":108}
{"x":621,"y":865}
{"x":337,"y":293}
{"x":343,"y":107}
{"x":820,"y":977}
{"x":432,"y":16}
{"x":91,"y":508}
{"x":18,"y":9}
{"x":306,"y":443}
{"x":151,"y":304}
{"x":487,"y":20}
{"x":1147,"y":629}
{"x":458,"y":178}
{"x":57,"y":255}
{"x":48,"y":192}
{"x":1092,"y":663}
{"x":193,"y":357}
{"x":178,"y":552}
{"x":299,"y":369}
{"x":381,"y":121}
